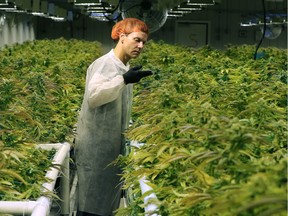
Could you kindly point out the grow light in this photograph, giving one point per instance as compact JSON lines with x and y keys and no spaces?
{"x":99,"y":7}
{"x":201,"y":3}
{"x":271,"y":19}
{"x":87,"y":3}
{"x":98,"y":11}
{"x":16,"y":11}
{"x":39,"y":14}
{"x":188,"y":8}
{"x":3,"y":2}
{"x":183,"y":8}
{"x":175,"y":14}
{"x":9,"y":8}
{"x":260,"y":23}
{"x":247,"y":24}
{"x":57,"y":19}
{"x":99,"y":16}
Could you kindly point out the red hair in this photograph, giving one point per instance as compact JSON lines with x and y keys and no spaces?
{"x":127,"y":26}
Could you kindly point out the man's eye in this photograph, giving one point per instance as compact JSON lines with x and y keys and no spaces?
{"x":138,"y":40}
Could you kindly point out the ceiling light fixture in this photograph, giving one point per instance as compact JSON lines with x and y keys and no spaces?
{"x":87,"y":3}
{"x":175,"y":14}
{"x":201,"y":3}
{"x":8,"y":7}
{"x":271,"y":19}
{"x":57,"y":19}
{"x":188,"y":8}
{"x":100,"y":16}
{"x":99,"y":8}
{"x":3,"y":2}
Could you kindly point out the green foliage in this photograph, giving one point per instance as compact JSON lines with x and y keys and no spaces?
{"x":42,"y":83}
{"x":22,"y":171}
{"x":215,"y":131}
{"x":41,"y":87}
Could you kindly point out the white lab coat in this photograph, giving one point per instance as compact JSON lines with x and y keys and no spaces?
{"x":104,"y":115}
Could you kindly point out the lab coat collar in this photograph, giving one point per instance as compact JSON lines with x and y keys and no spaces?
{"x":118,"y":61}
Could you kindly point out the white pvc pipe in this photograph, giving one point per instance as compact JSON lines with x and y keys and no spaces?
{"x":17,"y":207}
{"x":151,"y":208}
{"x":41,"y":207}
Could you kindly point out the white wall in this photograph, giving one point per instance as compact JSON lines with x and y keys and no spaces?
{"x":16,"y":28}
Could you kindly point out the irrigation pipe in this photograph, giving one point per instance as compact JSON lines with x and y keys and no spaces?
{"x":41,"y":207}
{"x":150,"y":208}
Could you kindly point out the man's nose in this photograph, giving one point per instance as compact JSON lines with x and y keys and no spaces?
{"x":141,"y":44}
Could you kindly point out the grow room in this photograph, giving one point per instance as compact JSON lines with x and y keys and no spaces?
{"x":207,"y":132}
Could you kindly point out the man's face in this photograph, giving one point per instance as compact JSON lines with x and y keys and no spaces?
{"x":133,"y":43}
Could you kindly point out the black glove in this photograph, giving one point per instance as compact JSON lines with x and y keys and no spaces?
{"x":134,"y":74}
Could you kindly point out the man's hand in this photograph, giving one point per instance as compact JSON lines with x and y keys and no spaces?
{"x":134,"y":75}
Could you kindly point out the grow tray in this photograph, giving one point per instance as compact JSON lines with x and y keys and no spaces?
{"x":41,"y":207}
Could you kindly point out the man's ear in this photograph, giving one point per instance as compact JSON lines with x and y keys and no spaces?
{"x":121,"y":38}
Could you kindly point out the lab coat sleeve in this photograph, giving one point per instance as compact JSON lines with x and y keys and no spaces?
{"x":102,"y":90}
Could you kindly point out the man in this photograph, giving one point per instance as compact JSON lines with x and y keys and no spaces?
{"x":104,"y":115}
